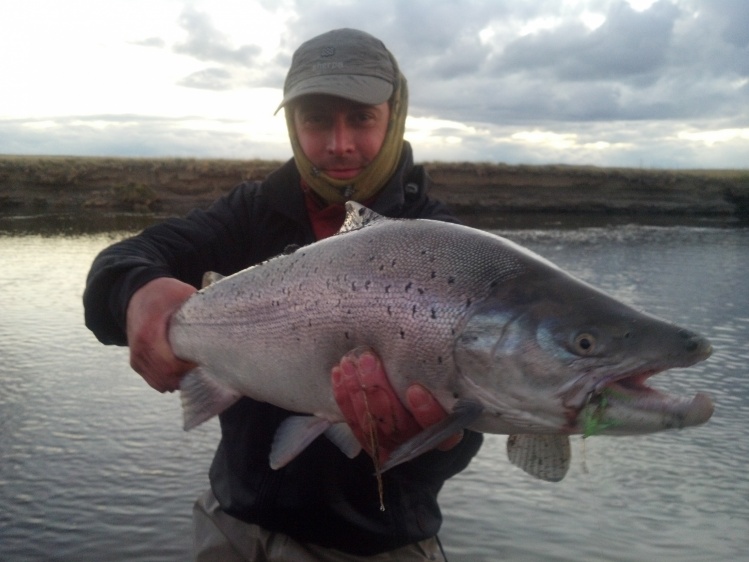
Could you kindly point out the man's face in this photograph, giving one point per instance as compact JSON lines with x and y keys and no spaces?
{"x":340,"y":137}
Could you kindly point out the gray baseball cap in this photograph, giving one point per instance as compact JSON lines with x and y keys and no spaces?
{"x":346,"y":63}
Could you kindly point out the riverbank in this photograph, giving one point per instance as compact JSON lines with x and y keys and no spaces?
{"x":475,"y":191}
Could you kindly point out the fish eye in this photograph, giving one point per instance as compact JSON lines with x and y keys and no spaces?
{"x":585,"y":344}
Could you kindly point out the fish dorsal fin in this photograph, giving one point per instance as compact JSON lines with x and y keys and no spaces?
{"x":210,"y":277}
{"x":358,"y":216}
{"x":546,"y":457}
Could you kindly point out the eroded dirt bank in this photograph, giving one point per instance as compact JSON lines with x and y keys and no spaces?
{"x":34,"y":184}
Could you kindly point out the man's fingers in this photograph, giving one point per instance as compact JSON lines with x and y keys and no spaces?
{"x":147,"y":322}
{"x":369,"y":403}
{"x":428,"y":411}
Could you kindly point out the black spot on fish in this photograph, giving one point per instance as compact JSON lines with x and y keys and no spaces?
{"x":421,"y":291}
{"x":434,"y":314}
{"x":439,"y":360}
{"x":367,"y":284}
{"x":390,"y":311}
{"x":347,"y":336}
{"x":403,"y":335}
{"x":387,"y":288}
{"x":413,"y":311}
{"x":408,"y":287}
{"x":353,"y":285}
{"x":434,"y":274}
{"x":450,"y":280}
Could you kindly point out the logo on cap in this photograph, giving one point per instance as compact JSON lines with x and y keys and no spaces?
{"x":327,"y":51}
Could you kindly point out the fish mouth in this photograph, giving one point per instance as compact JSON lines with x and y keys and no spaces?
{"x":626,"y":405}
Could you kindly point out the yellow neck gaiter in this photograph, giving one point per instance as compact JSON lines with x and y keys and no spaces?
{"x":376,"y":174}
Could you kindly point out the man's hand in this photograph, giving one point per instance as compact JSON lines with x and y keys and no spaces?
{"x":368,"y":401}
{"x":148,"y":314}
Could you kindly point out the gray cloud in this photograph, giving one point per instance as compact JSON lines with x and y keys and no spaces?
{"x":628,"y":45}
{"x":620,"y":94}
{"x":129,"y":135}
{"x":671,"y":61}
{"x":231,"y":67}
{"x":209,"y":79}
{"x":206,"y":43}
{"x":155,"y":42}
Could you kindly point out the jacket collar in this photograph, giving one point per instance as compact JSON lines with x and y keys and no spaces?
{"x":285,"y":196}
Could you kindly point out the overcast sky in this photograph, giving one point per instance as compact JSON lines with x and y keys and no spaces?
{"x":633,"y":83}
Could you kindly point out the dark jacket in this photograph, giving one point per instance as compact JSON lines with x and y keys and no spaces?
{"x":320,"y":497}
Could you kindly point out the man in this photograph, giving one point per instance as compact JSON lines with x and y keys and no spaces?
{"x":345,"y":102}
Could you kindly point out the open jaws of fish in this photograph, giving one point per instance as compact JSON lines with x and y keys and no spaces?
{"x":626,"y":405}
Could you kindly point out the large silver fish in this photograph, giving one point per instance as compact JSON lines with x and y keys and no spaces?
{"x":506,"y":341}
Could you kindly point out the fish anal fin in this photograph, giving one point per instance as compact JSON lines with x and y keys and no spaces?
{"x":463,"y":414}
{"x":202,"y":397}
{"x":546,"y":457}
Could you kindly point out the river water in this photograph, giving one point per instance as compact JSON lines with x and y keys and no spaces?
{"x":94,"y":464}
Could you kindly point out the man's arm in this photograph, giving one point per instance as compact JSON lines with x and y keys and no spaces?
{"x":148,"y":314}
{"x":223,"y":238}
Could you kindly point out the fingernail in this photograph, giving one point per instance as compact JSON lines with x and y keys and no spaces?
{"x":367,"y":364}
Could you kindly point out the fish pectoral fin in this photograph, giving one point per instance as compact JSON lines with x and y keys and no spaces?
{"x":546,"y":457}
{"x":202,"y":397}
{"x":343,"y":438}
{"x":464,"y":413}
{"x":293,"y":436}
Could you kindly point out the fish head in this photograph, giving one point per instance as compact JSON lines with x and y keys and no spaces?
{"x":547,"y":353}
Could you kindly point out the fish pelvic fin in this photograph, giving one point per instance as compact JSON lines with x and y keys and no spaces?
{"x":202,"y":397}
{"x":293,"y":436}
{"x":358,"y":216}
{"x":296,"y":432}
{"x":546,"y":457}
{"x":464,"y":413}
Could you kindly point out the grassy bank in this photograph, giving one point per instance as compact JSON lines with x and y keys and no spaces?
{"x":174,"y":185}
